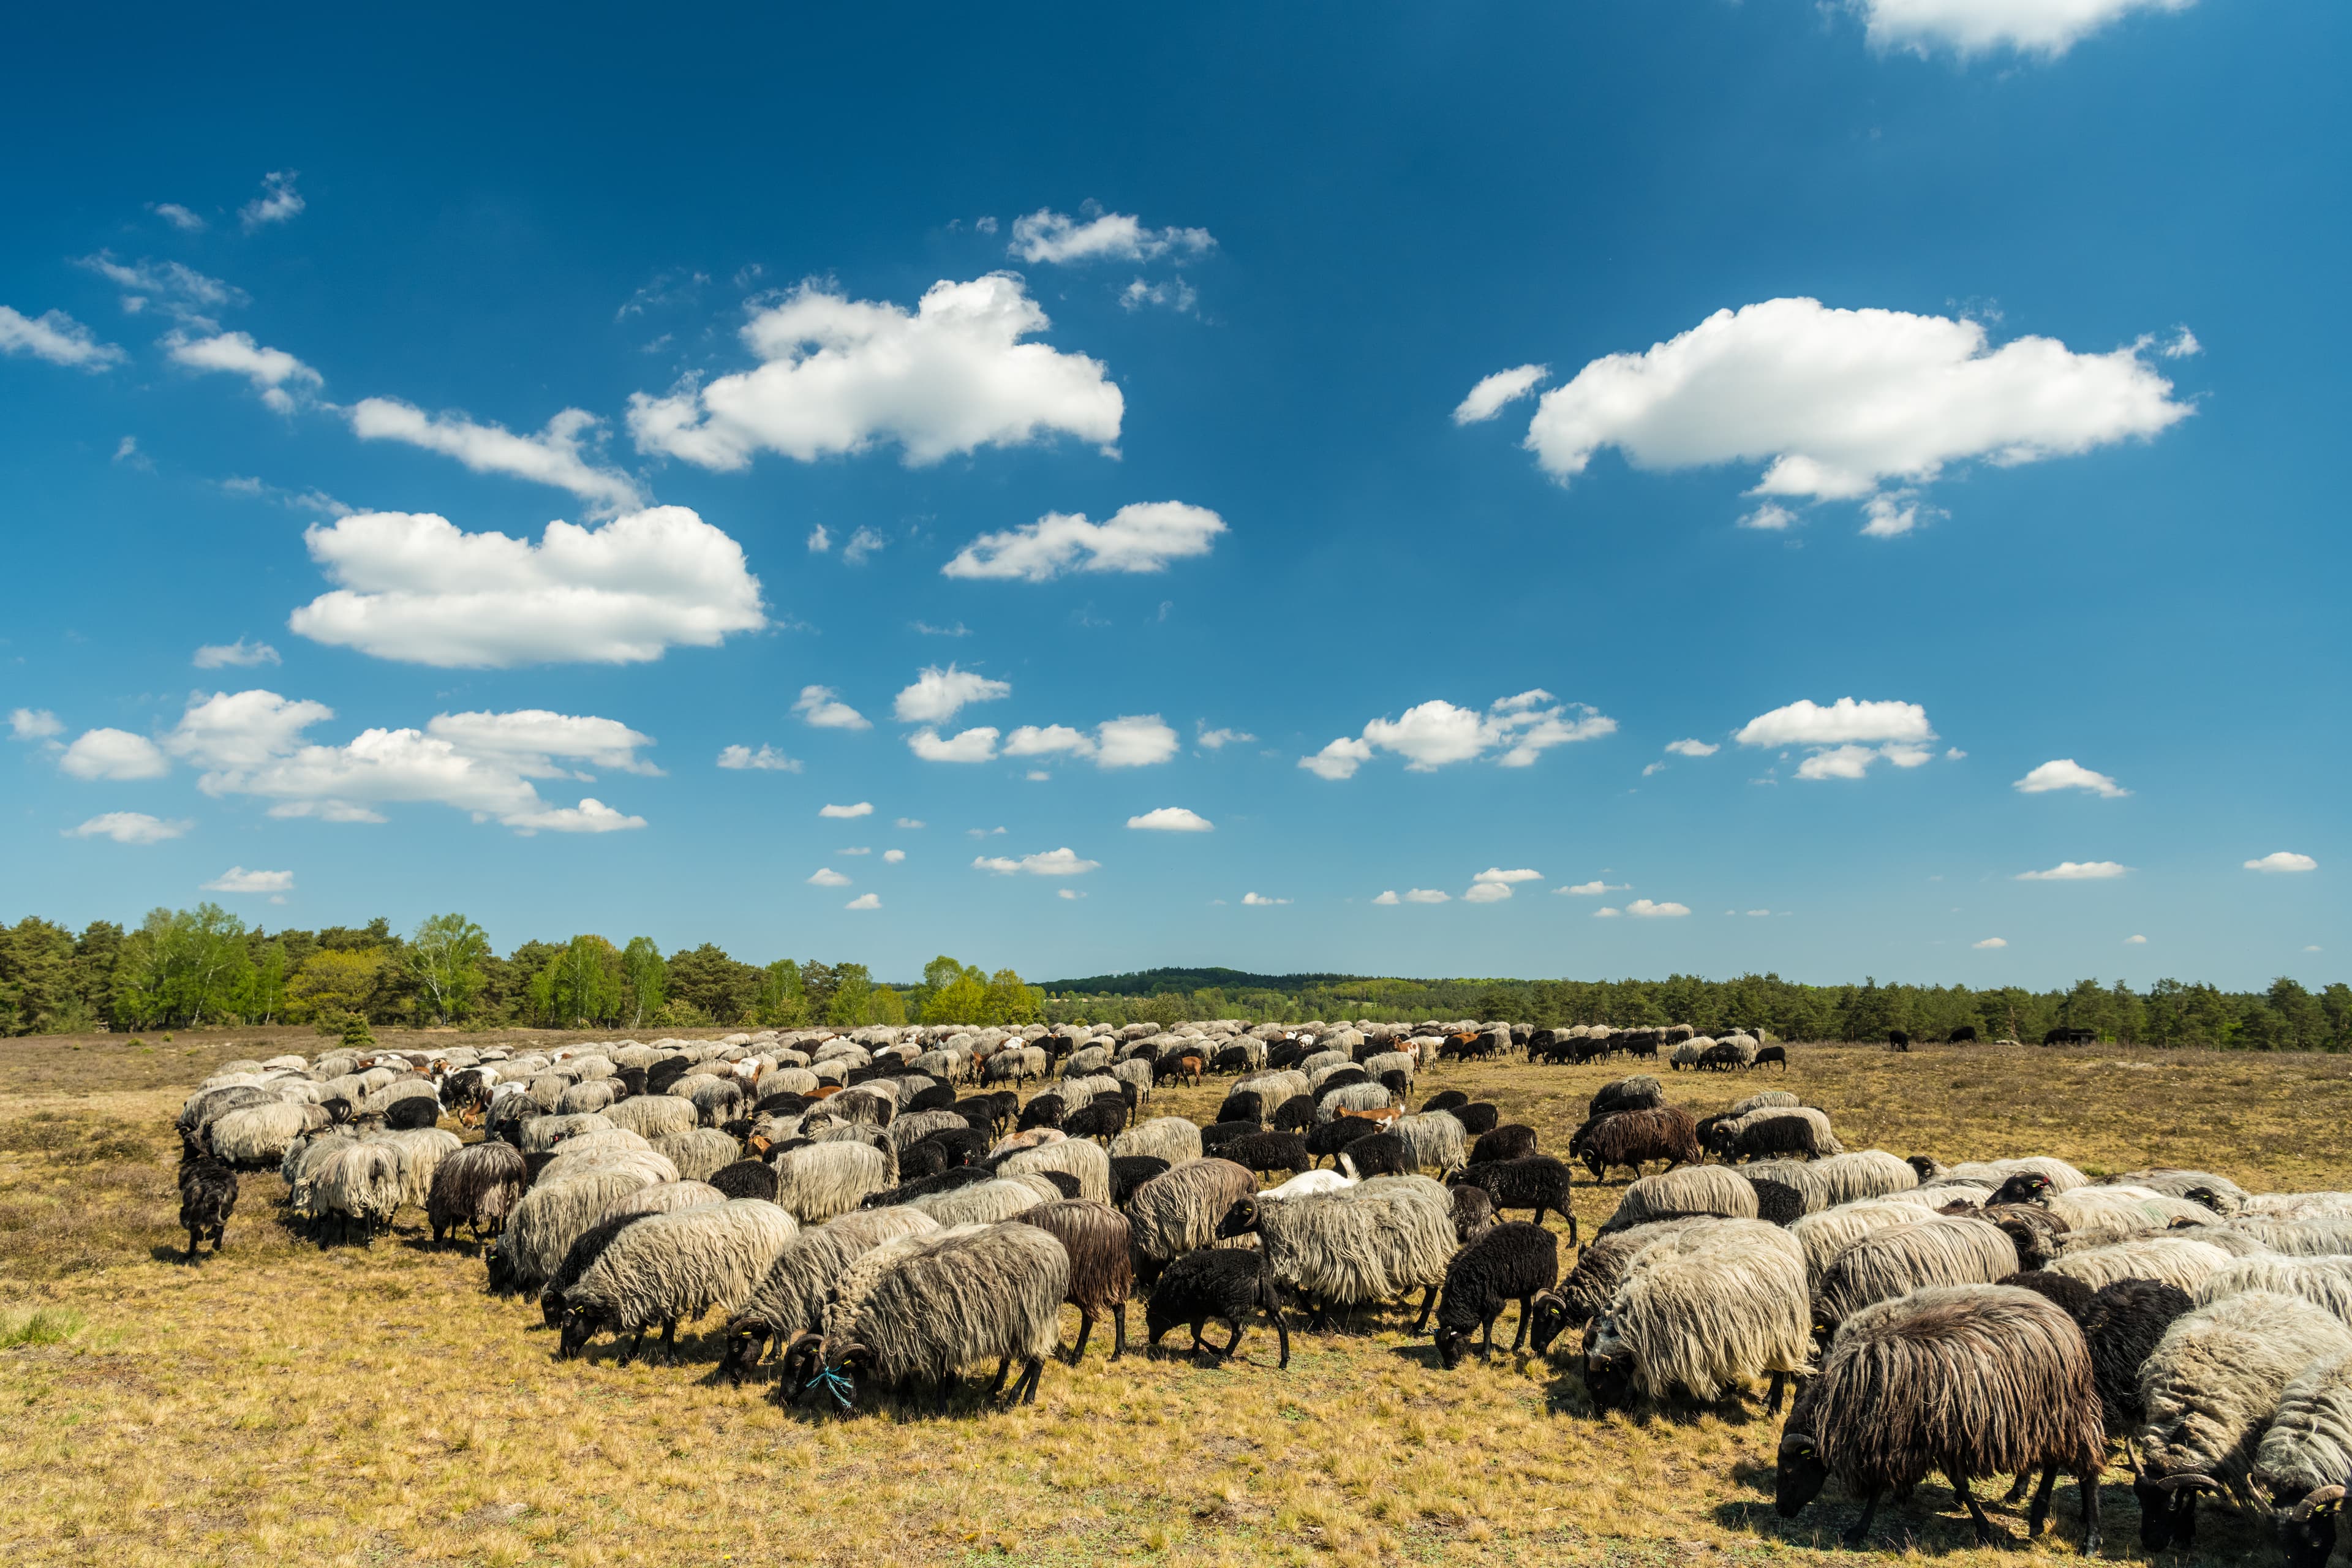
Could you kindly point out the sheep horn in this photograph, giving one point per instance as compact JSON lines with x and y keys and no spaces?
{"x":2196,"y":1479}
{"x":2312,"y":1501}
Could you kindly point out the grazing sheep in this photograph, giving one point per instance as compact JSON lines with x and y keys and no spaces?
{"x":1477,"y":1117}
{"x":1076,"y":1157}
{"x":823,"y":1181}
{"x":1512,"y":1140}
{"x":358,"y":1183}
{"x":2036,"y":1233}
{"x":2220,"y":1193}
{"x":1353,"y":1096}
{"x":2068,"y":1294}
{"x":552,"y":1215}
{"x":1972,"y":1381}
{"x":1631,"y":1138}
{"x":2122,"y":1324}
{"x":542,"y":1134}
{"x":1589,"y":1286}
{"x":2062,"y":1176}
{"x":1704,"y":1309}
{"x":1802,"y":1134}
{"x":207,"y":1198}
{"x":1473,"y":1211}
{"x":2322,"y":1281}
{"x":1405,"y":1062}
{"x":2307,"y":1450}
{"x":1104,"y":1118}
{"x":996,"y":1292}
{"x":1174,"y":1138}
{"x":1264,"y":1153}
{"x":699,"y":1153}
{"x":1941,"y":1249}
{"x":1824,"y":1234}
{"x":1180,"y":1210}
{"x":1222,"y":1284}
{"x":1510,"y":1263}
{"x":2175,"y":1260}
{"x":1330,"y":1138}
{"x":1128,"y":1172}
{"x":791,"y":1299}
{"x":1434,"y":1139}
{"x":257,"y":1137}
{"x":2316,"y":1236}
{"x":1444,"y":1099}
{"x":1102,"y":1268}
{"x":672,"y":1266}
{"x":562,"y":1166}
{"x":990,"y":1202}
{"x":476,"y":1186}
{"x":2209,"y":1391}
{"x":1373,"y":1242}
{"x":1786,"y":1189}
{"x":650,"y":1115}
{"x":1642,"y":1091}
{"x":1770,"y":1100}
{"x":1380,"y":1154}
{"x":1538,"y":1182}
{"x":1691,"y":1191}
{"x":746,"y":1179}
{"x":912,"y":1128}
{"x":2296,"y":1205}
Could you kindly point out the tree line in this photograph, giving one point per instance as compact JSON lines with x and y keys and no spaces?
{"x":185,"y":968}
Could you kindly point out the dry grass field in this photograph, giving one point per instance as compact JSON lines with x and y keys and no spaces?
{"x":283,"y":1402}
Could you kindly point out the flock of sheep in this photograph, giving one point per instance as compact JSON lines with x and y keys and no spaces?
{"x":884,"y":1209}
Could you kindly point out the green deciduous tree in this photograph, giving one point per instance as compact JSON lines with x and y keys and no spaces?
{"x":644,"y":981}
{"x":445,"y":955}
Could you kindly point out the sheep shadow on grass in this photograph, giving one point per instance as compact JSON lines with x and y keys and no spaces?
{"x":1930,"y":1521}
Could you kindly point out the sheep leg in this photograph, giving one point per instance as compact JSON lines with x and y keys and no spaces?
{"x":1487,"y":1349}
{"x":1027,"y":1387}
{"x":1861,"y":1531}
{"x":1086,"y":1327}
{"x":669,"y":1341}
{"x":1119,"y":1330}
{"x":635,"y":1345}
{"x":1004,"y":1370}
{"x":192,"y":1239}
{"x":2017,"y":1487}
{"x":2087,"y":1483}
{"x":1519,"y":1343}
{"x":2041,"y":1508}
{"x":1232,"y":1344}
{"x":1773,"y":1398}
{"x":948,"y":1381}
{"x":1988,"y":1533}
{"x":1428,"y":1305}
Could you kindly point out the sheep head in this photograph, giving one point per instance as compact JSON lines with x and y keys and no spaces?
{"x":1799,"y":1473}
{"x":1609,"y":1366}
{"x":579,"y":1325}
{"x":1241,"y":1218}
{"x":2024,"y":1187}
{"x":1553,"y":1317}
{"x":2168,"y":1508}
{"x":2306,"y":1532}
{"x":746,"y":1337}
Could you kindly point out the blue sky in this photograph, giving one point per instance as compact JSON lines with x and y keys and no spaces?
{"x":1910,"y":395}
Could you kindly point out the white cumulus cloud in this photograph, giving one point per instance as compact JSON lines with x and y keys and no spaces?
{"x":1143,"y":536}
{"x":1217,"y":740}
{"x":2134,"y":942}
{"x":240,"y":654}
{"x":865,"y":902}
{"x":1693,"y":748}
{"x":826,"y":876}
{"x":862,"y":808}
{"x":1835,"y":402}
{"x":1968,"y":28}
{"x":34,"y":724}
{"x":938,"y":694}
{"x":1496,"y":874}
{"x":1605,"y":913}
{"x":1132,"y":740}
{"x":113,"y":754}
{"x":1513,"y":732}
{"x":557,"y":456}
{"x":974,"y":745}
{"x":894,"y":857}
{"x":1055,"y":238}
{"x":1646,"y":910}
{"x":2065,"y":772}
{"x":2075,"y":871}
{"x":2284,"y":860}
{"x":1261,"y":902}
{"x":1172,"y":819}
{"x":838,"y":375}
{"x":1486,"y":893}
{"x":237,"y":879}
{"x":56,"y":337}
{"x":279,"y":201}
{"x":1595,"y":889}
{"x":591,"y":815}
{"x":1489,"y":398}
{"x":820,"y":707}
{"x":414,"y":587}
{"x":1063,"y":862}
{"x":766,"y":760}
{"x":276,"y":375}
{"x":1989,"y":943}
{"x":129,"y":827}
{"x":1845,"y":737}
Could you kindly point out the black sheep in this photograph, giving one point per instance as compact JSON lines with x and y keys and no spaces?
{"x":1046,"y":1110}
{"x":924,"y":1158}
{"x":1769,"y":1055}
{"x":1233,"y":1058}
{"x":988,"y":1111}
{"x":1222,"y":1283}
{"x":1284,"y":1053}
{"x":1510,"y":1263}
{"x":1264,"y":1152}
{"x":783,"y":1102}
{"x":1721,"y":1059}
{"x":947,"y":1181}
{"x":666,"y":1072}
{"x":1473,"y":1214}
{"x":407,"y":1115}
{"x":631,"y":1079}
{"x":1128,"y":1172}
{"x":747,"y":1179}
{"x":1444,"y":1099}
{"x":1640,"y":1093}
{"x":1327,"y":1138}
{"x":1477,"y":1119}
{"x":1063,"y":1183}
{"x":1102,"y":1265}
{"x":585,"y":1249}
{"x":1296,"y":1114}
{"x":1511,"y":1141}
{"x":938,"y":1097}
{"x":1966,"y":1035}
{"x":1539,"y":1183}
{"x":208,"y":1196}
{"x":1396,"y":1083}
{"x":1379,"y":1154}
{"x":532,"y":1164}
{"x":960,"y":1146}
{"x":2122,"y":1324}
{"x":1220,"y":1133}
{"x":1244,"y":1105}
{"x":2071,"y":1295}
{"x":1098,"y":1118}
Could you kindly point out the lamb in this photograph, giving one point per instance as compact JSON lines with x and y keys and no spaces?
{"x":1075,"y":1156}
{"x":1642,"y":1091}
{"x":207,"y":1198}
{"x":1433,"y":1141}
{"x":673,"y":1266}
{"x":2175,"y":1260}
{"x":1102,"y":1269}
{"x":997,"y":1292}
{"x":1940,"y":1250}
{"x":2122,"y":1324}
{"x":1689,"y":1191}
{"x":1704,"y":1309}
{"x":476,"y":1186}
{"x":1972,"y":1379}
{"x":1174,"y":1138}
{"x":1538,"y":1182}
{"x":1373,"y":1242}
{"x":2209,"y":1391}
{"x":1512,"y":1262}
{"x":823,"y":1181}
{"x":1591,"y":1285}
{"x":790,"y":1301}
{"x":699,"y":1153}
{"x":1222,"y":1283}
{"x":2322,"y":1281}
{"x":1180,"y":1210}
{"x":1633,"y":1138}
